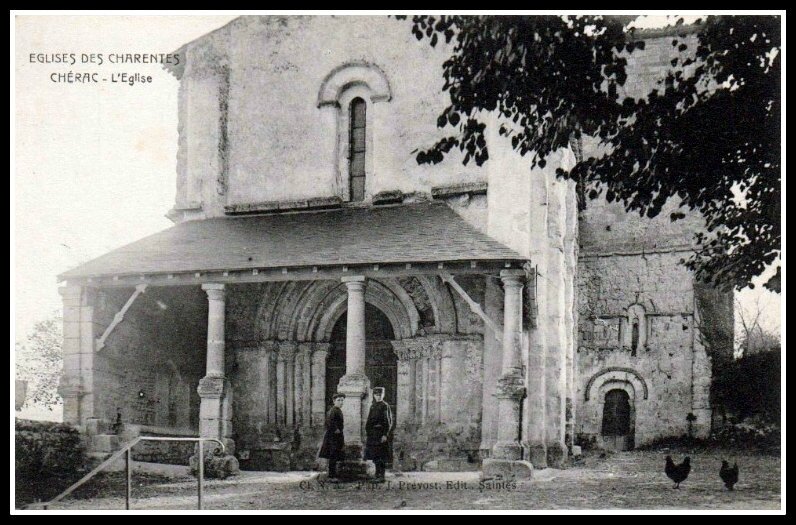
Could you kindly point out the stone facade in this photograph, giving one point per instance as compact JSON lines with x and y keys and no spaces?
{"x":506,"y":369}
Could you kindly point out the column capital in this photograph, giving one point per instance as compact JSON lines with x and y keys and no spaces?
{"x":512,"y":277}
{"x":287,"y":349}
{"x":269,"y":346}
{"x":510,"y":386}
{"x":70,"y":292}
{"x":320,"y":349}
{"x":214,"y":290}
{"x":354,"y":282}
{"x":211,"y":387}
{"x":305,"y":348}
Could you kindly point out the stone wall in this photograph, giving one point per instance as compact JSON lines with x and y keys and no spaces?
{"x":151,"y":362}
{"x":659,"y":372}
{"x":259,"y":80}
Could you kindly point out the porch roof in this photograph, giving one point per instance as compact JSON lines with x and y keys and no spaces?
{"x":407,"y":233}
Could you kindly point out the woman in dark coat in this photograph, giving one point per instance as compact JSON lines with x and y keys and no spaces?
{"x":378,"y":430}
{"x":333,"y":446}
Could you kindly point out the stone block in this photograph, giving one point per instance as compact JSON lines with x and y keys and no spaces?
{"x":95,"y":426}
{"x":93,"y":459}
{"x":356,"y":470}
{"x":104,"y":443}
{"x":556,"y":455}
{"x":502,"y":469}
{"x":450,"y":465}
{"x":537,"y":455}
{"x":216,"y":466}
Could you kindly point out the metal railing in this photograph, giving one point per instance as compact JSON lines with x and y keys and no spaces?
{"x":127,"y":451}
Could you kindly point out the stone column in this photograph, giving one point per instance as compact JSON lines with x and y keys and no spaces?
{"x":408,"y":352}
{"x":405,"y":395}
{"x":287,"y":354}
{"x":306,"y":384}
{"x":412,"y":388}
{"x":321,"y":352}
{"x":298,"y":385}
{"x":354,"y":384}
{"x":510,"y":388}
{"x":280,"y":388}
{"x":272,"y":382}
{"x":267,"y":374}
{"x":215,"y":414}
{"x":77,"y":377}
{"x":492,"y":362}
{"x":507,"y":451}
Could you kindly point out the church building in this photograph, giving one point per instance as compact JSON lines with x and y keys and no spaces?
{"x":312,"y":254}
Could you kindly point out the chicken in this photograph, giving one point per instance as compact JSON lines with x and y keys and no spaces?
{"x":729,"y":475}
{"x":677,"y":473}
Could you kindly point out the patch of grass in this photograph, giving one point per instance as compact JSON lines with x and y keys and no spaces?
{"x":103,"y":485}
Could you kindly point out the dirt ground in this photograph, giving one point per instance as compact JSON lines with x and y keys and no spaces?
{"x":626,"y":480}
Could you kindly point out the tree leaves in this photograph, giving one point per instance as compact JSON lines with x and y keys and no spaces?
{"x":39,"y":361}
{"x":703,"y":136}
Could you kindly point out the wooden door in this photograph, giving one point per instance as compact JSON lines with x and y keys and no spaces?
{"x":616,"y":421}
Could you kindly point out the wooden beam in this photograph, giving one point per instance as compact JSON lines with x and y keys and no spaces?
{"x":139,"y":289}
{"x":497,"y":329}
{"x":312,"y":273}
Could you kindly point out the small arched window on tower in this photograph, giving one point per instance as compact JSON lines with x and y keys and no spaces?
{"x":634,"y":338}
{"x":356,"y":149}
{"x":634,"y":329}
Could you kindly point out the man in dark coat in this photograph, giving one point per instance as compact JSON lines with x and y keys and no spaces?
{"x":333,"y":444}
{"x":378,"y":431}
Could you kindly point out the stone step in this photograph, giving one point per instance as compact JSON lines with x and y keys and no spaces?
{"x":450,"y":465}
{"x":105,"y":443}
{"x":95,"y":458}
{"x":98,"y":426}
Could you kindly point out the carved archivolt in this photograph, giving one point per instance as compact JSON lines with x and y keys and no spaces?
{"x":430,"y":346}
{"x":306,"y":312}
{"x":358,"y":73}
{"x":419,"y":347}
{"x":617,"y":374}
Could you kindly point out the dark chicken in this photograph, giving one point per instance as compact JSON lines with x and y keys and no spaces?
{"x":729,"y":475}
{"x":677,"y":473}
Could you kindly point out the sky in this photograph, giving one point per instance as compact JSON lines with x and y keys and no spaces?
{"x":95,"y":164}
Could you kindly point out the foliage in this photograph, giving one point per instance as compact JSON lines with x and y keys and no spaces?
{"x":709,"y":136}
{"x":39,"y":361}
{"x":750,"y":386}
{"x":48,"y":458}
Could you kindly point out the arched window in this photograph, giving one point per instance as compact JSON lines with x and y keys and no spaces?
{"x":634,"y":337}
{"x":356,"y":149}
{"x":348,"y":97}
{"x":634,"y":329}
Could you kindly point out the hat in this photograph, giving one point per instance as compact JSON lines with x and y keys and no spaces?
{"x":378,"y":390}
{"x":337,"y":395}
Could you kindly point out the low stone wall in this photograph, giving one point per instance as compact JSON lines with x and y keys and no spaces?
{"x":44,"y":448}
{"x":449,"y":447}
{"x":428,"y":447}
{"x":168,"y":452}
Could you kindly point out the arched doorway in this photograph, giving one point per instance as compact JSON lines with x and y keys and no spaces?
{"x":617,"y":430}
{"x":381,"y":363}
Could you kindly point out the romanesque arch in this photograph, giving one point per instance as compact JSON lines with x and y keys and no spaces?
{"x":616,"y":374}
{"x":359,"y":73}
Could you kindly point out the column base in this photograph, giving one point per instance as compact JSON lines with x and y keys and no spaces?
{"x":356,"y":470}
{"x":217,"y":465}
{"x":536,"y":454}
{"x":353,"y":451}
{"x":556,"y":456}
{"x":509,"y":450}
{"x":505,"y":469}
